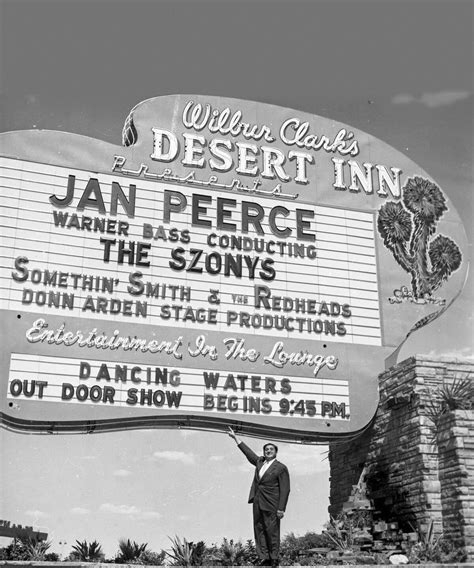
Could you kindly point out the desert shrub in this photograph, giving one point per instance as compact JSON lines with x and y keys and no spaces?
{"x":458,"y":395}
{"x":153,"y":558}
{"x":28,"y":549}
{"x":129,"y":552}
{"x":434,"y":548}
{"x":87,"y":551}
{"x":186,"y":553}
{"x":293,"y":548}
{"x":341,"y":531}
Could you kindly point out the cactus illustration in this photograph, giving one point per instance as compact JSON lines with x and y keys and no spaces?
{"x":406,"y":228}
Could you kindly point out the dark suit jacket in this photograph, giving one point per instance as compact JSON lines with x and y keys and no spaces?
{"x":272,"y":490}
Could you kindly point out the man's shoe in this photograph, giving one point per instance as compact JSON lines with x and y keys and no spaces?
{"x":275,"y":563}
{"x":266,"y":562}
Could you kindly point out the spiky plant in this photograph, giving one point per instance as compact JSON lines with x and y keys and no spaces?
{"x":130,"y":552}
{"x":87,"y":551}
{"x":185,"y":553}
{"x":342,"y":530}
{"x":35,"y":549}
{"x":339,"y":533}
{"x":458,"y":395}
{"x":182,"y":552}
{"x":432,"y":547}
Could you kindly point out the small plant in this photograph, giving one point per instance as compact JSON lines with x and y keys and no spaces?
{"x":230,"y":553}
{"x":458,"y":395}
{"x":339,"y":533}
{"x":186,"y":553}
{"x":342,"y":531}
{"x":434,"y":548}
{"x":87,"y":551}
{"x":251,"y":556}
{"x":130,"y":552}
{"x":35,"y":549}
{"x":27,"y":549}
{"x":153,"y":558}
{"x":297,"y":548}
{"x":427,"y":546}
{"x":14,"y":551}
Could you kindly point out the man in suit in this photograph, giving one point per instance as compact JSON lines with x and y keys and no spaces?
{"x":269,"y":496}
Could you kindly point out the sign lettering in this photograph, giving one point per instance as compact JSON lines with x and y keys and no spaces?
{"x":231,"y":263}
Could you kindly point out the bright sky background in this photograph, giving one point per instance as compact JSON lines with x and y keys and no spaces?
{"x":401,"y":71}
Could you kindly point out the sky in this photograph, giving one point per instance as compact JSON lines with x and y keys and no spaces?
{"x":401,"y":71}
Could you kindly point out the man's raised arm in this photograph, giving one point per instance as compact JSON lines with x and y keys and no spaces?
{"x":248,"y":453}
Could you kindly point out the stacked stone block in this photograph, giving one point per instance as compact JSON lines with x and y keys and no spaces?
{"x":456,"y":474}
{"x":398,"y":453}
{"x":347,"y":462}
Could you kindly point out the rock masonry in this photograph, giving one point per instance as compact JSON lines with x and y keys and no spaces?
{"x":413,"y":481}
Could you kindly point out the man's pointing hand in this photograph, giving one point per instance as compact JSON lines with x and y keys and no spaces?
{"x":232,"y":435}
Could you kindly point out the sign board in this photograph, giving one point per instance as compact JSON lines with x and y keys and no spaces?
{"x":231,"y":263}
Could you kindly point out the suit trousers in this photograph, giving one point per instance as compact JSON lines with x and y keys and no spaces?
{"x":266,"y":527}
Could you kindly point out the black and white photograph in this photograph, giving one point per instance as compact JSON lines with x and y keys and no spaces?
{"x":236,"y":304}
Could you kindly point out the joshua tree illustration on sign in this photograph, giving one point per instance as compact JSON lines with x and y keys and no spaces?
{"x":406,"y":228}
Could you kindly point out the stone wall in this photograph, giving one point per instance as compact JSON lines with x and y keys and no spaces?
{"x":397,"y":454}
{"x":456,"y":475}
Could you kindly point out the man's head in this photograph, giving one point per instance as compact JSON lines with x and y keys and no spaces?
{"x":270,"y":451}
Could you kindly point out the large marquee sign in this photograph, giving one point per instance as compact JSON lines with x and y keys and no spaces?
{"x":231,"y":263}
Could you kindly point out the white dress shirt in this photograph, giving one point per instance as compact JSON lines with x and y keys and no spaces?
{"x":264,"y":467}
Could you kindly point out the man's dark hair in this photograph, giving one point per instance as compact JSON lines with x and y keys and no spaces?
{"x":270,"y":444}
